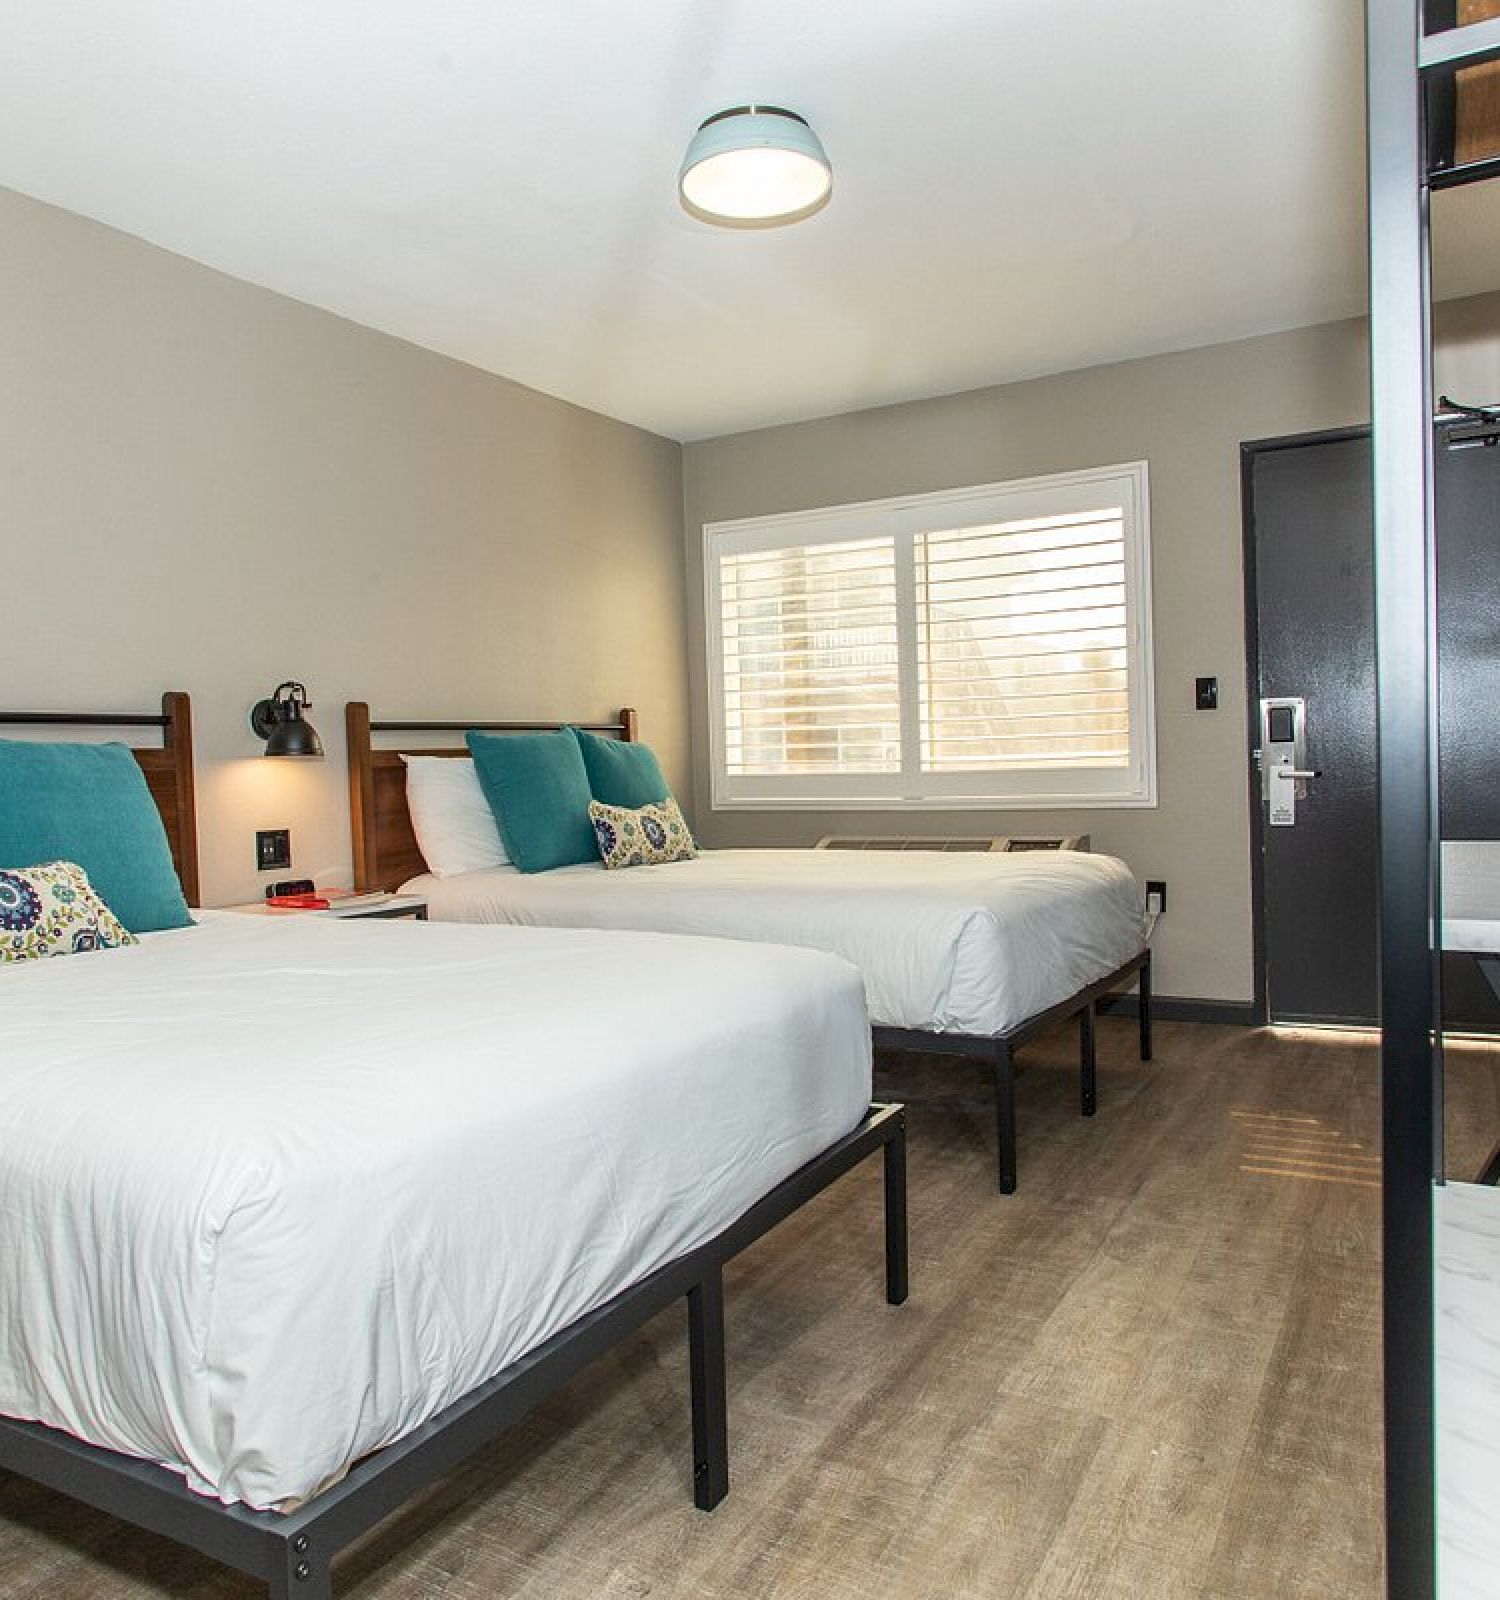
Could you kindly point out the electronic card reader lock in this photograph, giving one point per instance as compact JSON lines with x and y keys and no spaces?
{"x":1284,"y":772}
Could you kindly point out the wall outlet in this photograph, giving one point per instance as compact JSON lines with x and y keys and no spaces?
{"x":1156,"y":896}
{"x":273,"y":849}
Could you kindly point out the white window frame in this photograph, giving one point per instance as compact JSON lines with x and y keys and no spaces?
{"x":1125,"y":485}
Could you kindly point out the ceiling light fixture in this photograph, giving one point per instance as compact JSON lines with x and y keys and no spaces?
{"x":755,"y":167}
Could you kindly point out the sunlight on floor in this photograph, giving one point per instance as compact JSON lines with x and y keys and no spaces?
{"x":1283,"y":1144}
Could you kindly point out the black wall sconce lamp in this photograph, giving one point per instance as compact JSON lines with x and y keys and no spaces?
{"x":279,"y":721}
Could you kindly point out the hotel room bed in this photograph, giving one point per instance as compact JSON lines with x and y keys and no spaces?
{"x":960,"y":944}
{"x":296,"y":1213}
{"x":406,"y":1167}
{"x":968,"y":954}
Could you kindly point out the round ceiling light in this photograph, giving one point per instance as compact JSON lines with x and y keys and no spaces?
{"x":755,"y":167}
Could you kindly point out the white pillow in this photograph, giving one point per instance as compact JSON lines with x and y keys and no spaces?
{"x":450,"y":816}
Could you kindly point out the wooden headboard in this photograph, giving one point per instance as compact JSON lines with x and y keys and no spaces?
{"x":385,"y":848}
{"x":168,"y":768}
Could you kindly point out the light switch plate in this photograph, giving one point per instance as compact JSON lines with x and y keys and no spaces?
{"x":273,"y":849}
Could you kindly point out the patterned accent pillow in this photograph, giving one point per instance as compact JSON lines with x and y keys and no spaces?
{"x":53,"y":910}
{"x":647,"y":837}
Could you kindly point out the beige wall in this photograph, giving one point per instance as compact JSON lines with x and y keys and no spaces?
{"x":189,"y":464}
{"x":1187,"y":415}
{"x":207,"y":487}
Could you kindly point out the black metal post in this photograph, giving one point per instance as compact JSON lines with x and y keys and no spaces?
{"x":1145,"y":1007}
{"x":895,"y":1216}
{"x":1005,"y":1115}
{"x":1088,"y":1074}
{"x":1401,"y":412}
{"x":710,"y":1390}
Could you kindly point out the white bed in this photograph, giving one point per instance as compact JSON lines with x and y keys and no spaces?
{"x":947,"y":943}
{"x":257,"y":1221}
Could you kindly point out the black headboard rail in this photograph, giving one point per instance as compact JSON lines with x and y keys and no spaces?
{"x":84,"y":719}
{"x":494,"y":727}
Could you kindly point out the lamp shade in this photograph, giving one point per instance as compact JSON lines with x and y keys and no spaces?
{"x":755,"y":167}
{"x":280,"y":722}
{"x":294,"y":735}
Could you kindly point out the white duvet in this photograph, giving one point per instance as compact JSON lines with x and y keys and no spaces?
{"x":947,"y":943}
{"x":275,"y":1191}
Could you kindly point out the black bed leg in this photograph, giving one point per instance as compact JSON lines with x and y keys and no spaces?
{"x":302,"y":1573}
{"x":1145,"y":997}
{"x":1088,"y":1078}
{"x":895,"y":1215}
{"x":710,"y":1394}
{"x":1005,"y":1116}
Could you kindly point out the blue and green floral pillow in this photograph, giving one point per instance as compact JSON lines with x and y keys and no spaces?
{"x":53,"y":910}
{"x":648,"y":836}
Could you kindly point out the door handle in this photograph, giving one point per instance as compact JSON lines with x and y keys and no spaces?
{"x":1283,"y":741}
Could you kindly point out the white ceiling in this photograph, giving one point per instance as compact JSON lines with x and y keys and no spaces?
{"x":1020,"y":187}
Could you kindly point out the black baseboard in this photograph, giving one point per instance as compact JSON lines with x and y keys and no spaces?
{"x":1179,"y":1008}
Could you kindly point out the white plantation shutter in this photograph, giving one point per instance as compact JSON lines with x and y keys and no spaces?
{"x":809,"y":660}
{"x":1022,"y":644}
{"x":985,"y":647}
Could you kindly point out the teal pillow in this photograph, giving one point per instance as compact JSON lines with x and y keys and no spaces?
{"x":89,"y":803}
{"x":538,"y":789}
{"x":622,"y":774}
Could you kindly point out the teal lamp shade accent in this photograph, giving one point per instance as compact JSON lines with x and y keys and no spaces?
{"x":755,"y":167}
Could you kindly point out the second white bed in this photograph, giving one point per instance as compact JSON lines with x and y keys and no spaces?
{"x":963,"y":944}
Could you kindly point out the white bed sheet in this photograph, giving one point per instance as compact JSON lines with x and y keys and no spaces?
{"x":947,"y":943}
{"x":275,"y":1191}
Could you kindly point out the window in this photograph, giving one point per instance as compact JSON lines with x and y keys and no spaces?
{"x":981,"y":647}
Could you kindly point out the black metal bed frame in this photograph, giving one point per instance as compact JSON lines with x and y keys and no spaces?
{"x":293,"y":1553}
{"x":1000,"y":1050}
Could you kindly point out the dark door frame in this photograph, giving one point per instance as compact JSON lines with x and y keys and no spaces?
{"x":1249,"y":450}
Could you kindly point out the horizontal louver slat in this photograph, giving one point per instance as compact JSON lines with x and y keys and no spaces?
{"x":1090,"y":686}
{"x":872,"y":657}
{"x":810,"y":715}
{"x":1106,"y":625}
{"x":1092,"y":642}
{"x":1103,"y":717}
{"x":1019,"y":761}
{"x":771,"y":582}
{"x":1103,"y":551}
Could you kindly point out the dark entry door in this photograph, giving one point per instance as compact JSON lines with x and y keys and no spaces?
{"x":1312,"y":548}
{"x":1312,"y":606}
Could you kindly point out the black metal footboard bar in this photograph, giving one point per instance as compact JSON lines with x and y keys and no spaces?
{"x":293,"y":1553}
{"x":1000,"y":1050}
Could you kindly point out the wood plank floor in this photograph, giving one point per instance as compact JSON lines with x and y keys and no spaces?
{"x":1152,"y":1373}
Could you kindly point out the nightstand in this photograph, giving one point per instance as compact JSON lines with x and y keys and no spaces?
{"x":388,"y":909}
